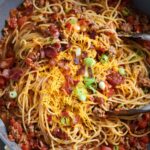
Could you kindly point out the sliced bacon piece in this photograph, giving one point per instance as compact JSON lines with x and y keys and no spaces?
{"x":57,"y":46}
{"x":54,"y":32}
{"x":50,"y":52}
{"x":115,"y":79}
{"x":64,"y":66}
{"x":81,"y":71}
{"x":16,"y":73}
{"x":6,"y":63}
{"x":28,"y":10}
{"x":12,"y":22}
{"x":22,"y":20}
{"x":2,"y":82}
{"x":143,"y":81}
{"x":57,"y":132}
{"x":68,"y":86}
{"x":6,"y":73}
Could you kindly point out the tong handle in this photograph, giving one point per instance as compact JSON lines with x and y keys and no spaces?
{"x":130,"y":112}
{"x":143,"y":36}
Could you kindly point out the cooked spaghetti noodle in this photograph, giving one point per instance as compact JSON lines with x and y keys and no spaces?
{"x":70,"y":68}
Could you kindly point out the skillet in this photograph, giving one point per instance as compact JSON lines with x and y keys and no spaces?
{"x":6,"y":5}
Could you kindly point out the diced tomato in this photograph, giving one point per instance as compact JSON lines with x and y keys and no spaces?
{"x":145,"y":139}
{"x":105,"y":148}
{"x":111,"y":92}
{"x":83,"y":22}
{"x":121,"y":147}
{"x":68,"y":26}
{"x":146,"y":117}
{"x":22,"y":20}
{"x":142,"y":124}
{"x":12,"y":22}
{"x":133,"y":140}
{"x":101,"y":49}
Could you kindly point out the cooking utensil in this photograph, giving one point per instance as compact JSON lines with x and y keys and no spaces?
{"x":143,"y":36}
{"x":129,"y":112}
{"x":3,"y":137}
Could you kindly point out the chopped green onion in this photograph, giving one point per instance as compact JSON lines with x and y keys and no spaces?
{"x":78,"y":51}
{"x":116,"y":147}
{"x":104,"y":58}
{"x":102,"y":85}
{"x":80,"y":92}
{"x":82,"y":98}
{"x":73,"y":21}
{"x":120,"y":105}
{"x":126,"y":11}
{"x":89,"y":81}
{"x":91,"y":88}
{"x":86,"y":74}
{"x":122,"y":71}
{"x":12,"y":94}
{"x":65,"y":121}
{"x":89,"y":62}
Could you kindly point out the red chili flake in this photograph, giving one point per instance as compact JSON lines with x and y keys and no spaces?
{"x":115,"y":79}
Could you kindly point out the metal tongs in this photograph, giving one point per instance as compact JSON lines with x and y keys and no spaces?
{"x":4,"y":138}
{"x":143,"y":36}
{"x":129,"y":112}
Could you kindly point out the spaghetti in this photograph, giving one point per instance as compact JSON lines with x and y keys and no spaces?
{"x":68,"y":68}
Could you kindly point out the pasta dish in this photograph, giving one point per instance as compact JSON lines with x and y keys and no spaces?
{"x":63,"y":66}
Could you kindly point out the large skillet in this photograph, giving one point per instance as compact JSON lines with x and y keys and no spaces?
{"x":6,"y":5}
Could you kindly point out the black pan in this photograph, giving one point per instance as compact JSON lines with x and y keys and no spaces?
{"x":6,"y":5}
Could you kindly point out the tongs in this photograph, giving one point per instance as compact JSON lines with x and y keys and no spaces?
{"x":4,"y":138}
{"x":143,"y":36}
{"x":129,"y":112}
